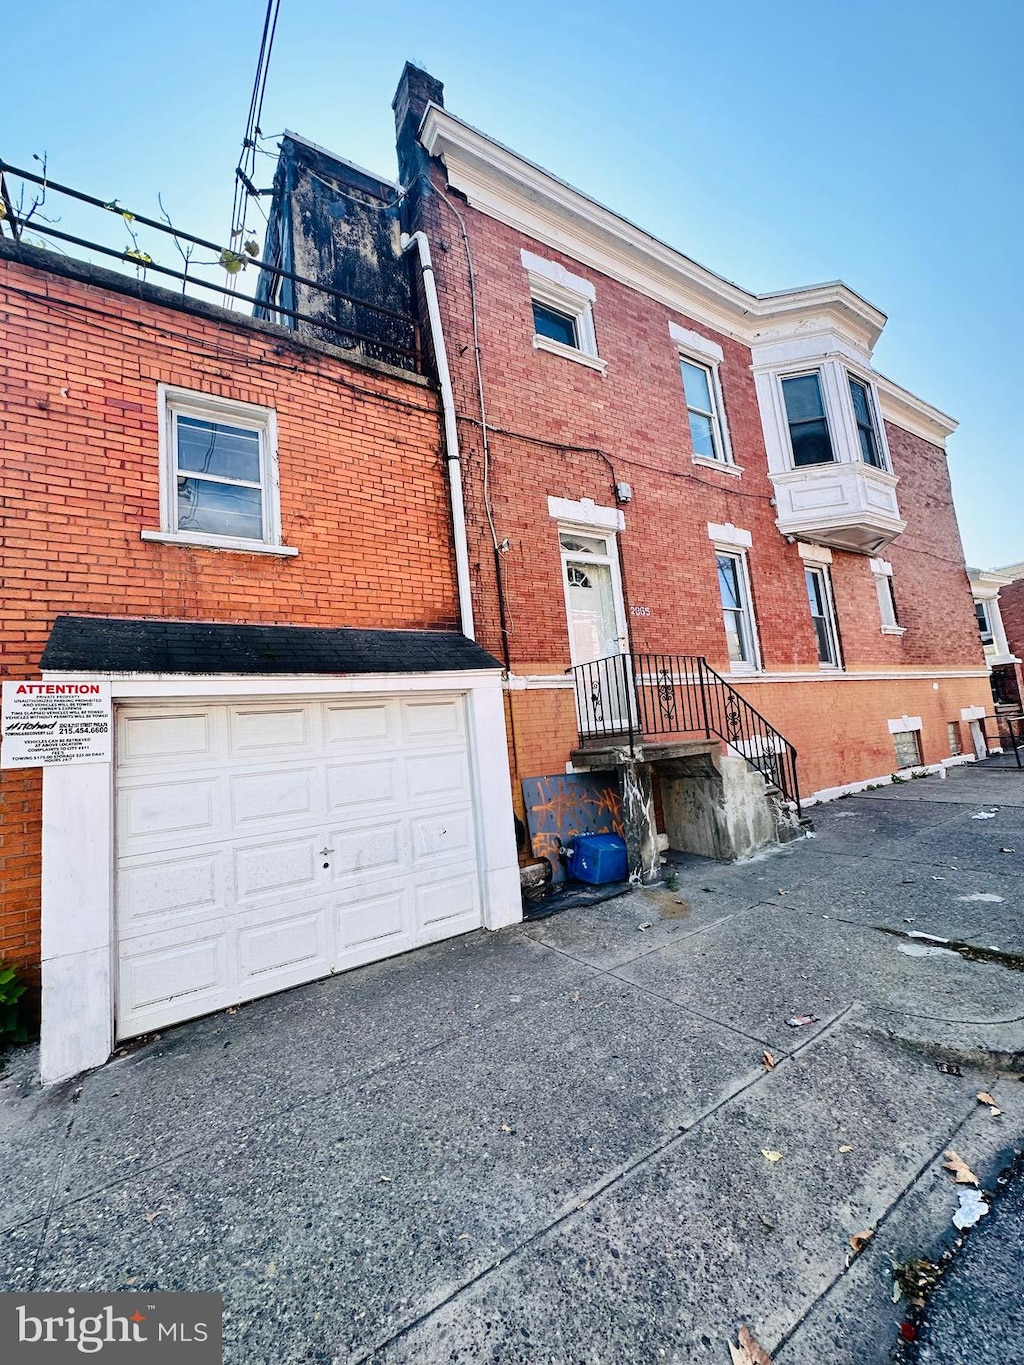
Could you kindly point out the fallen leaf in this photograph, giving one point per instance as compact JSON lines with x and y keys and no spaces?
{"x":769,"y":1155}
{"x":908,"y":1331}
{"x":748,"y":1350}
{"x":962,"y":1173}
{"x":846,"y":1147}
{"x":769,"y":1061}
{"x":985,"y":1098}
{"x":859,"y":1240}
{"x":151,"y":1216}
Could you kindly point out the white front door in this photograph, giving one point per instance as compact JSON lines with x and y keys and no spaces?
{"x":263,"y":844}
{"x":597,"y":628}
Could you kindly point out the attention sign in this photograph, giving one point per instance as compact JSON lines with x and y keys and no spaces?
{"x":46,"y":723}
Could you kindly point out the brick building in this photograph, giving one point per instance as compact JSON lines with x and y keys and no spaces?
{"x":247,"y":536}
{"x":677,"y":490}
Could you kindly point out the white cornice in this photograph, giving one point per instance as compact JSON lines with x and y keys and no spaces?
{"x":515,"y":191}
{"x":904,"y":409}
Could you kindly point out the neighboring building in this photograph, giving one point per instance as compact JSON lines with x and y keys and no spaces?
{"x":992,"y":590}
{"x":247,"y":535}
{"x":666,"y":475}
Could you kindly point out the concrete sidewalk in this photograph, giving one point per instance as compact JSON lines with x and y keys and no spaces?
{"x":547,"y":1144}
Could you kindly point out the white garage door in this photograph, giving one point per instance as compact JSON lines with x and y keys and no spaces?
{"x":265,"y":844}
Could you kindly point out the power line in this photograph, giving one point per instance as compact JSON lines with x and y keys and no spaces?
{"x":245,"y":188}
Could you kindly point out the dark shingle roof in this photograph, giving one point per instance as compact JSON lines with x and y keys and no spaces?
{"x":104,"y":644}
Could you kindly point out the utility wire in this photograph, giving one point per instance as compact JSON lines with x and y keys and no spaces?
{"x":246,"y":170}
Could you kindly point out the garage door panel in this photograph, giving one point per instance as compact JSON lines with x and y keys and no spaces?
{"x":437,"y":775}
{"x":173,"y":886}
{"x":447,"y":835}
{"x":382,"y":918}
{"x":373,"y":851}
{"x":255,"y":730}
{"x":283,"y":794}
{"x":188,"y":808}
{"x":285,"y":945}
{"x":172,"y":980}
{"x":433,"y":720}
{"x":351,"y":786}
{"x":281,"y":866}
{"x":181,"y":737}
{"x":451,"y":899}
{"x":361,"y":725}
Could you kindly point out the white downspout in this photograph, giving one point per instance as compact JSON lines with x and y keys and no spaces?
{"x":451,"y":433}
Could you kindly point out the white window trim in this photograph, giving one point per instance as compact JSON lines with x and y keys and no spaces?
{"x":214,"y":408}
{"x":734,"y":541}
{"x":814,"y":554}
{"x":902,"y":724}
{"x":555,"y":287}
{"x":881,"y":571}
{"x":823,"y":567}
{"x":586,"y":514}
{"x":708,"y":355}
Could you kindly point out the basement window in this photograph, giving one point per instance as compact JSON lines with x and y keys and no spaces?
{"x":908,"y":748}
{"x":219,"y":480}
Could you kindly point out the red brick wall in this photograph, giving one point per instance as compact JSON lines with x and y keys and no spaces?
{"x":634,"y":417}
{"x":1011,"y":609}
{"x":362,"y":496}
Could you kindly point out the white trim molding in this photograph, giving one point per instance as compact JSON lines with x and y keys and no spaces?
{"x":586,"y":512}
{"x":695,"y":344}
{"x":539,"y":682}
{"x":814,"y":554}
{"x":729,"y":537}
{"x":902,"y":724}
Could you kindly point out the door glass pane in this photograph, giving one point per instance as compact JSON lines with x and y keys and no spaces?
{"x":734,"y":615}
{"x":222,"y":509}
{"x":728,"y":582}
{"x":588,"y":545}
{"x":213,"y":448}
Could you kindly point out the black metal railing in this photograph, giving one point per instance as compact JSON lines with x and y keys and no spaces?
{"x":634,"y":696}
{"x":332,"y":315}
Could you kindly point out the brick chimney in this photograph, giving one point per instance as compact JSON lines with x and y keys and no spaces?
{"x":416,"y":89}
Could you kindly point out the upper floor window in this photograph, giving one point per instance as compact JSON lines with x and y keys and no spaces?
{"x":867,"y":430}
{"x":808,"y":426}
{"x":563,"y":311}
{"x":701,"y":405}
{"x":219,"y":484}
{"x":984,"y":621}
{"x":548,"y":322}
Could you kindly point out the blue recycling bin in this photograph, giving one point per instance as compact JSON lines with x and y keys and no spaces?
{"x":598,"y":858}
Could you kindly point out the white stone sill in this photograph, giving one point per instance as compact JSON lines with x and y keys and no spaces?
{"x":194,"y":542}
{"x":592,"y":362}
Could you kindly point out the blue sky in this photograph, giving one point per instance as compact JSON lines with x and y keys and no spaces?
{"x":876,"y":142}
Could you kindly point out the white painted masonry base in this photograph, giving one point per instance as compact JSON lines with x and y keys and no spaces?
{"x":79,"y":938}
{"x":852,"y":788}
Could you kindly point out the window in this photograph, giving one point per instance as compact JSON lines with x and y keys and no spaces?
{"x":882,"y":572}
{"x":219,"y":477}
{"x":984,"y":622}
{"x":736,"y":615}
{"x":908,"y":748}
{"x":702,"y":408}
{"x":563,"y":311}
{"x":548,"y":322}
{"x":819,"y":596}
{"x":805,"y":414}
{"x":867,"y":431}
